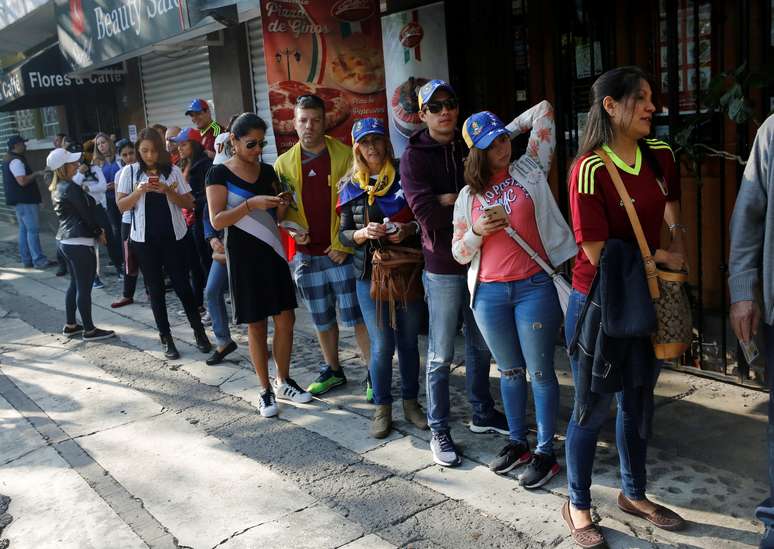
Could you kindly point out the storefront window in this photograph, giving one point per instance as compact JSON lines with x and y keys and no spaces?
{"x":50,"y":121}
{"x":694,"y":52}
{"x":26,"y":123}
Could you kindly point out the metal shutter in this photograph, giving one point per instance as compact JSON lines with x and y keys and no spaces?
{"x":171,"y":81}
{"x":261,"y":85}
{"x":7,"y":129}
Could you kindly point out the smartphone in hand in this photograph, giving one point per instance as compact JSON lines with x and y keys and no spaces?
{"x":496,"y":213}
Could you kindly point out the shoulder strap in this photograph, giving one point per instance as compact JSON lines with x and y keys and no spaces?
{"x":526,"y":247}
{"x":651,"y":271}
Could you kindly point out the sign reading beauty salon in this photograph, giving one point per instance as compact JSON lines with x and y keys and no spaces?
{"x":330,"y":48}
{"x":95,"y":32}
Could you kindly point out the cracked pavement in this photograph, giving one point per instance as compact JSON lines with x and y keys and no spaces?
{"x":107,"y":444}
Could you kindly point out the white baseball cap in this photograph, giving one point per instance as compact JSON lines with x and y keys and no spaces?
{"x":59,"y":157}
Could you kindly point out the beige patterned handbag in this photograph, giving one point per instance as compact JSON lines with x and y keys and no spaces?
{"x":667,"y":288}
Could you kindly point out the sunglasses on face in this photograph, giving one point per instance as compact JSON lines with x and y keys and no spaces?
{"x":253,"y":144}
{"x":437,"y":106}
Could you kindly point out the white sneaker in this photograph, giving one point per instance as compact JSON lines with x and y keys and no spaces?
{"x":206,"y":319}
{"x":267,"y":404}
{"x":291,"y":391}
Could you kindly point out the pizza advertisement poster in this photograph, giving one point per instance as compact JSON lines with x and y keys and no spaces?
{"x":329,"y":48}
{"x":414,"y":53}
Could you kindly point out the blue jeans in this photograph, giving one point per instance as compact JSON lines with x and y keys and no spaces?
{"x":581,"y":444}
{"x":765,"y":511}
{"x":217,"y":285}
{"x":447,"y":296}
{"x":385,"y":339}
{"x":27,"y":215}
{"x":519,"y":321}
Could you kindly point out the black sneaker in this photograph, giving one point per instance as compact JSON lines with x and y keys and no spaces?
{"x":217,"y":356}
{"x":494,"y":423}
{"x":511,"y":456}
{"x":72,"y":332}
{"x":540,"y":470}
{"x":170,"y":351}
{"x":444,"y":451}
{"x":97,"y":334}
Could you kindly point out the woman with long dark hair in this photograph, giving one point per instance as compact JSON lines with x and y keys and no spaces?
{"x":244,"y":199}
{"x":513,"y":299}
{"x":156,"y":192}
{"x":78,"y":233}
{"x":374,"y":213}
{"x":619,"y":122}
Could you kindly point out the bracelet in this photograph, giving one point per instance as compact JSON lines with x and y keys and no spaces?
{"x":677,"y":226}
{"x":418,"y":229}
{"x":247,"y":205}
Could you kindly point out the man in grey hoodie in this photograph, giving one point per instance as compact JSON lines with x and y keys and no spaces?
{"x":751,"y":273}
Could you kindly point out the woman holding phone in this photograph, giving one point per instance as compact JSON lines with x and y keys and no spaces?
{"x":155,"y":192}
{"x":243,"y":198}
{"x":374,"y":214}
{"x":125,"y":149}
{"x":513,"y":299}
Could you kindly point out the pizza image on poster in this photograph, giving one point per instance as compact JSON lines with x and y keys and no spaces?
{"x":328,"y":48}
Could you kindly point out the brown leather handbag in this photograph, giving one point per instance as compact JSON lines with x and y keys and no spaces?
{"x":674,"y":330}
{"x":396,"y":276}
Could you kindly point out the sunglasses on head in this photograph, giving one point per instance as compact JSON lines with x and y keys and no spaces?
{"x":253,"y":144}
{"x":437,"y":106}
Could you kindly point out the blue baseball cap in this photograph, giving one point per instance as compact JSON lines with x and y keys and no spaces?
{"x":187,"y":134}
{"x":480,"y":129}
{"x":367,"y":126}
{"x":15,"y":140}
{"x":198,"y":105}
{"x":426,"y":92}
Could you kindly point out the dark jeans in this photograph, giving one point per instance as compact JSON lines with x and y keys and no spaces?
{"x":581,"y":443}
{"x":384,"y":341}
{"x":765,"y":511}
{"x":113,"y":242}
{"x":194,"y":267}
{"x":202,"y":245}
{"x":82,"y":265}
{"x":130,"y":280}
{"x":157,"y":257}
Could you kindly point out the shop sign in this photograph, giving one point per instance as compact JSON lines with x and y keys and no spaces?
{"x":330,"y":48}
{"x":45,"y":73}
{"x":94,"y":32}
{"x":414,"y":53}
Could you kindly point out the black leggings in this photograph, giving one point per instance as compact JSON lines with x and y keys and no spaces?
{"x":82,"y":265}
{"x":157,"y":257}
{"x":194,"y":266}
{"x":130,"y":280}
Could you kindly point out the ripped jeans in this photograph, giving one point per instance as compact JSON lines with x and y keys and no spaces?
{"x":519,"y":321}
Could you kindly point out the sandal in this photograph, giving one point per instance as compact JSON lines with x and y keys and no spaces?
{"x":588,"y":537}
{"x":663,"y":518}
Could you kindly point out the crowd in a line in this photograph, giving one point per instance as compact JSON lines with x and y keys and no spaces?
{"x":457,"y":225}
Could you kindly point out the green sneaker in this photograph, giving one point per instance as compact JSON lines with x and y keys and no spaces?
{"x":369,"y":388}
{"x":327,"y":380}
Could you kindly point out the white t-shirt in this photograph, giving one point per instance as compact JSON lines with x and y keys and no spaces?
{"x":220,"y":148}
{"x":79,"y":241}
{"x":17,"y":168}
{"x":126,"y":186}
{"x":126,"y":217}
{"x":96,"y":186}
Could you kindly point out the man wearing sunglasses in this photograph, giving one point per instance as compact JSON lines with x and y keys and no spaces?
{"x":171,"y":144}
{"x":322,"y":267}
{"x":431,"y":171}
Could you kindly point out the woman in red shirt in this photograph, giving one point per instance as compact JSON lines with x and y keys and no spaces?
{"x":619,"y":122}
{"x":513,"y":300}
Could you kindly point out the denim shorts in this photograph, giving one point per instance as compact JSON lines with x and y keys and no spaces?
{"x":324,"y":286}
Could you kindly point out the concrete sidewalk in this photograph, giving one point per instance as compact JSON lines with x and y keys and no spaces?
{"x":109,"y":445}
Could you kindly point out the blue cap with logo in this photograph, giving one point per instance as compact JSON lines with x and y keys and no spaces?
{"x":367,"y":126}
{"x":426,"y":92}
{"x":15,"y":140}
{"x":198,"y":105}
{"x":480,"y":129}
